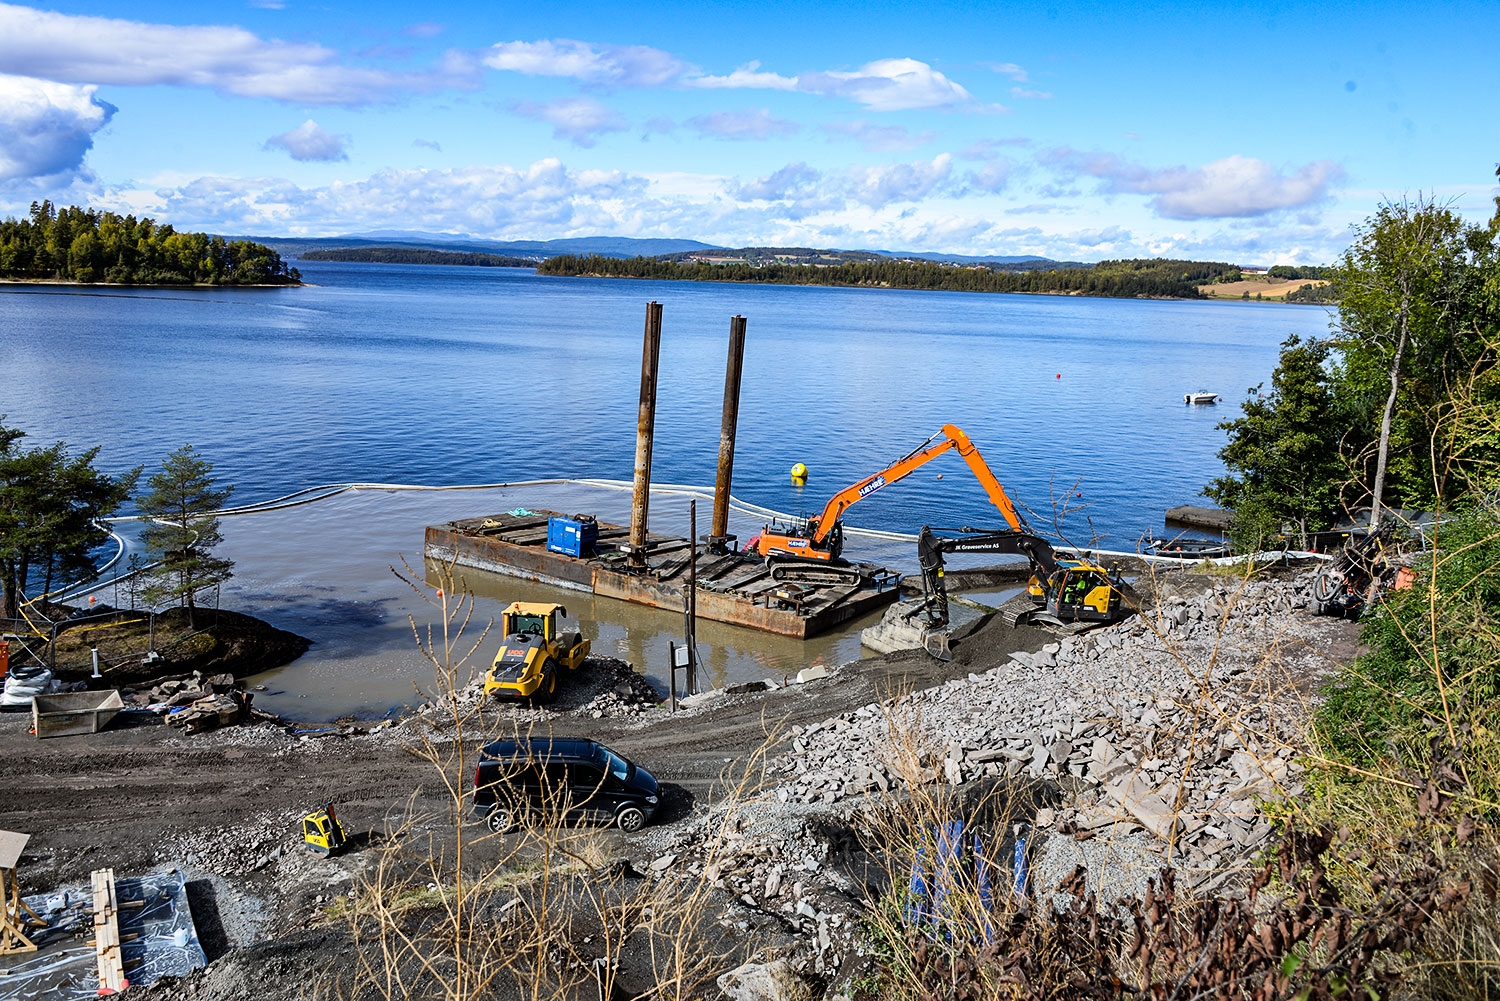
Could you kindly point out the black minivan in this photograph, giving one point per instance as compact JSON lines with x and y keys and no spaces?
{"x":582,"y":779}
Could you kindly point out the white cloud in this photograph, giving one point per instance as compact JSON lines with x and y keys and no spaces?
{"x":99,"y":50}
{"x":431,"y":144}
{"x":47,"y":128}
{"x":580,"y":120}
{"x":989,"y":149}
{"x":880,"y":138}
{"x":1011,"y":70}
{"x":898,"y":182}
{"x":747,"y":76}
{"x":1026,"y":94}
{"x":310,"y":141}
{"x":1235,"y":186}
{"x":615,"y":65}
{"x":990,"y":178}
{"x":792,"y":180}
{"x":760,"y":124}
{"x":889,"y":85}
{"x":495,"y":200}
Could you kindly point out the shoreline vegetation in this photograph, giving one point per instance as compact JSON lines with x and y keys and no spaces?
{"x":1129,"y":279}
{"x":87,"y":247}
{"x":416,"y":255}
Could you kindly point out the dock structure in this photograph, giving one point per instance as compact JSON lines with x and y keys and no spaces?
{"x":733,"y":587}
{"x":1212,"y":518}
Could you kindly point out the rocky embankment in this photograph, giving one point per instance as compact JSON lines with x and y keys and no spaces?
{"x":1159,"y":740}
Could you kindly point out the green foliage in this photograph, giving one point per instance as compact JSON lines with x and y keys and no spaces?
{"x":416,"y":255}
{"x":1282,"y":453}
{"x":1317,"y":294}
{"x":84,"y":245}
{"x":50,"y":506}
{"x":1288,"y":272}
{"x":182,"y":503}
{"x":1414,"y":317}
{"x":1128,"y":279}
{"x":1434,"y":651}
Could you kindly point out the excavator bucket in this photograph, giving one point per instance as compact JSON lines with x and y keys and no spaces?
{"x":935,"y":642}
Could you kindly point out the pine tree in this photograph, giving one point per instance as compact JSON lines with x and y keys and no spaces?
{"x":182,"y":504}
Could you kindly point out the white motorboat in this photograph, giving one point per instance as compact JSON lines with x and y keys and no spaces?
{"x":1203,"y":397}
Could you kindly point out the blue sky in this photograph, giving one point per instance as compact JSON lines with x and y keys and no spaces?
{"x":1255,"y":133}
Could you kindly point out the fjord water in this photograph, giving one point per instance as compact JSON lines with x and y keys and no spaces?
{"x":448,"y":376}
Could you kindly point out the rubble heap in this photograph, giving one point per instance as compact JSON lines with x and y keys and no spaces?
{"x":1179,"y":721}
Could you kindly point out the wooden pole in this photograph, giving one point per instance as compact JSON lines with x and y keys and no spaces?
{"x":645,"y":428}
{"x":718,"y":532}
{"x":691,"y":605}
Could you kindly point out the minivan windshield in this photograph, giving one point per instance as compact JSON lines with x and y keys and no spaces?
{"x":613,"y":763}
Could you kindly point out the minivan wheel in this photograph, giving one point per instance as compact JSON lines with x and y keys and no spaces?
{"x":500,"y":820}
{"x":630,"y":819}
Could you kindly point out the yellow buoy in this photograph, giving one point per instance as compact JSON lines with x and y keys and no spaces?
{"x":799,"y":472}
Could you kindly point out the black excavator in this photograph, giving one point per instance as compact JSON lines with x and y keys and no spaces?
{"x":1061,"y":590}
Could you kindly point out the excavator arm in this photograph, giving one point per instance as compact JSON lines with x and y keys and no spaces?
{"x":952,"y":438}
{"x":930,"y":550}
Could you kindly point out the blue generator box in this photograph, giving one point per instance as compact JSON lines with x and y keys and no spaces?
{"x":574,"y":536}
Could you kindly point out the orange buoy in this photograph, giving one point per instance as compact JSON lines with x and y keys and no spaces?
{"x":1059,"y":375}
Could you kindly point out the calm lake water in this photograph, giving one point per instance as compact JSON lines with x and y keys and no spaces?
{"x":450,"y":376}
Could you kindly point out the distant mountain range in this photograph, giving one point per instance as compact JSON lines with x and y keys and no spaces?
{"x":625,"y":246}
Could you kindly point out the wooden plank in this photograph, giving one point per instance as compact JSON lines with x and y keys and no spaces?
{"x":824,"y":600}
{"x":107,"y":933}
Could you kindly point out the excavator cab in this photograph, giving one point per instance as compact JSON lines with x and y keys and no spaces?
{"x":322,"y":831}
{"x":1082,"y":592}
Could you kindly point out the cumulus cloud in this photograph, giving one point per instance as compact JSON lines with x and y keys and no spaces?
{"x":1011,"y":70}
{"x":310,"y":141}
{"x":580,"y":120}
{"x":1235,"y":186}
{"x":492,"y":199}
{"x":68,"y":48}
{"x":748,"y":76}
{"x":47,"y":128}
{"x":759,"y":124}
{"x":613,"y":65}
{"x":879,"y":138}
{"x":790,"y":181}
{"x":898,"y":182}
{"x":990,"y":178}
{"x":889,"y":85}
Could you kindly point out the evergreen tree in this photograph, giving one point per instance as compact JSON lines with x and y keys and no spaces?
{"x":50,"y":510}
{"x":182,"y":504}
{"x":1283,"y":454}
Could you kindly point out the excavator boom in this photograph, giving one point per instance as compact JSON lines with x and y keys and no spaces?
{"x":952,"y":437}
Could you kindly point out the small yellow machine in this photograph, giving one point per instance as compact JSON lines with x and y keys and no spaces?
{"x":322,"y":831}
{"x":534,"y":648}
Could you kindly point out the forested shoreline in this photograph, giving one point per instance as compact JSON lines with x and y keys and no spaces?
{"x":416,"y":255}
{"x":1119,"y":279}
{"x":88,"y":246}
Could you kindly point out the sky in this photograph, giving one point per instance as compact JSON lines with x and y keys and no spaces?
{"x":1256,"y":133}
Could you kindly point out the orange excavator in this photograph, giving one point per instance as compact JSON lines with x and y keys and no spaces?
{"x":819,"y":541}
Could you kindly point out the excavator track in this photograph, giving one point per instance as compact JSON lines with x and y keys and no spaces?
{"x":1017,"y":610}
{"x":797,"y":572}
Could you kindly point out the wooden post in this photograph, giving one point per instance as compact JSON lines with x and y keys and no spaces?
{"x":718,"y":532}
{"x":690,"y":607}
{"x":107,"y":933}
{"x":645,"y":429}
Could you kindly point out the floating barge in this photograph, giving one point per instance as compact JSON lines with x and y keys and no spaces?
{"x":732,"y":587}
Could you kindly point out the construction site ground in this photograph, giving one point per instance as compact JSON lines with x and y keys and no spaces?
{"x":224,"y":805}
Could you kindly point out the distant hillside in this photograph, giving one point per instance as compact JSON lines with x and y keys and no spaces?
{"x":415,"y":255}
{"x":762,"y":256}
{"x":536,"y":250}
{"x":1156,"y":278}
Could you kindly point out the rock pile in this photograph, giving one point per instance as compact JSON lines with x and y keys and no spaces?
{"x":1179,"y":721}
{"x":600,"y":687}
{"x":200,"y":703}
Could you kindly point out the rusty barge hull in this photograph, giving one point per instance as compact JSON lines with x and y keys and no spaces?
{"x":733,"y":588}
